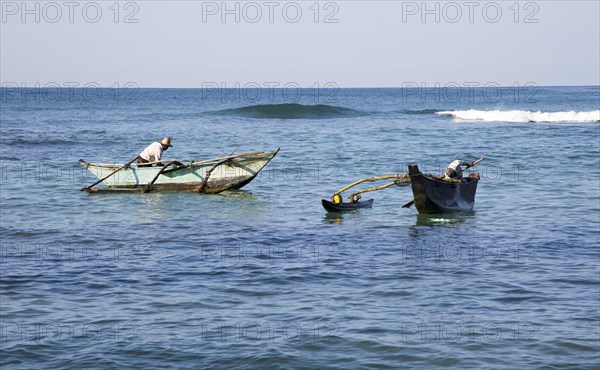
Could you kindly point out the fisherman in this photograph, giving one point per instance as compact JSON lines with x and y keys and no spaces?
{"x":153,"y":152}
{"x":454,"y":170}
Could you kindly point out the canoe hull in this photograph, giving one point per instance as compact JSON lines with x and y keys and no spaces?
{"x":342,"y":207}
{"x":225,"y":175}
{"x":433,"y":195}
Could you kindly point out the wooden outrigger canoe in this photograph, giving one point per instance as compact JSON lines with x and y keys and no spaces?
{"x":434,"y":195}
{"x":208,"y":176}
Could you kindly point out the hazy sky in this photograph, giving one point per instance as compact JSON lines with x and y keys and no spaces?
{"x":270,"y":43}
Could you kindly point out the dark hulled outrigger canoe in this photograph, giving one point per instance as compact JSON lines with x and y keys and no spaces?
{"x":434,"y":195}
{"x":431,"y":194}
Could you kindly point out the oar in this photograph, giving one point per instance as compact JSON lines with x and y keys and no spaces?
{"x":407,"y":205}
{"x":149,"y":185}
{"x":110,"y":174}
{"x":474,"y":163}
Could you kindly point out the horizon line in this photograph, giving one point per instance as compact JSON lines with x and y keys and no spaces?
{"x":2,"y":87}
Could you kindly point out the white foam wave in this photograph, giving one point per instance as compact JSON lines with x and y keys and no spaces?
{"x":522,"y":116}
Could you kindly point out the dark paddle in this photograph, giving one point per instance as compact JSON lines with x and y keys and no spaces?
{"x":407,"y":205}
{"x":149,"y":185}
{"x":110,"y":174}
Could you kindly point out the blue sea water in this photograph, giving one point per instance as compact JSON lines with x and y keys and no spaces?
{"x":263,"y":277}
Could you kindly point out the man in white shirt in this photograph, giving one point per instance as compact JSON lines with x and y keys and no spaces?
{"x":454,"y":170}
{"x":153,"y":152}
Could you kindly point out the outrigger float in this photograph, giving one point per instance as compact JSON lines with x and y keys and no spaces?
{"x":431,"y":194}
{"x":207,"y":176}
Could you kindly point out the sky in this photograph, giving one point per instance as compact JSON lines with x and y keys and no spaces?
{"x":195,"y":44}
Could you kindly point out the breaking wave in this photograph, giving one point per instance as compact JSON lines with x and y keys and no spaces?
{"x":291,"y":111}
{"x":521,"y":116}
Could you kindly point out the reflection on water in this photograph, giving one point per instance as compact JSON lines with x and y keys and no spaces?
{"x":443,"y":219}
{"x":154,"y":199}
{"x":239,"y":203}
{"x":156,"y":207}
{"x":337,"y":218}
{"x":243,"y":195}
{"x":155,"y":204}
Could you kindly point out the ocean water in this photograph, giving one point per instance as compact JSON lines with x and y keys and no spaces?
{"x":263,"y":277}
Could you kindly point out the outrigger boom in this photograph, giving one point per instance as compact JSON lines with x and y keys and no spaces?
{"x":336,"y":204}
{"x":400,"y":179}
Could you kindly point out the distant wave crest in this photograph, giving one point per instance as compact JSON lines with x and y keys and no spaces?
{"x":522,"y":116}
{"x":420,"y":111}
{"x":290,"y":111}
{"x":40,"y":141}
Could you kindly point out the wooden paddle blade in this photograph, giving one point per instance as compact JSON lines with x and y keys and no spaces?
{"x":407,"y":205}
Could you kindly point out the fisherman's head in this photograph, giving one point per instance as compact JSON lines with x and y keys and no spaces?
{"x":166,"y":143}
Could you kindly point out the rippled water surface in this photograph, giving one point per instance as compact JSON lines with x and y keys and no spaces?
{"x":263,"y":277}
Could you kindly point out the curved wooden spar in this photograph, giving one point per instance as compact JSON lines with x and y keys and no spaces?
{"x":397,"y":176}
{"x":403,"y":182}
{"x":336,"y":204}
